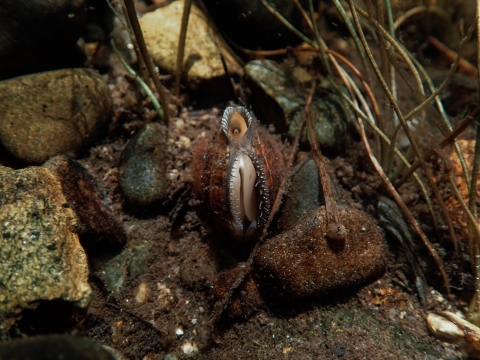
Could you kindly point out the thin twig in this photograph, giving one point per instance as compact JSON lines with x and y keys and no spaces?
{"x":140,"y":81}
{"x":181,"y":45}
{"x":463,"y":65}
{"x":132,"y":15}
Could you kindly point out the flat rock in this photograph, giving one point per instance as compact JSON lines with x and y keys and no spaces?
{"x":40,"y":254}
{"x":40,"y":35}
{"x":202,"y":57}
{"x":303,"y":263}
{"x":143,"y":166}
{"x":52,"y":113}
{"x":98,"y":230}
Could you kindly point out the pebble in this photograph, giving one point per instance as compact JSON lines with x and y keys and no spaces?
{"x":143,"y":293}
{"x":143,"y":163}
{"x":40,"y":35}
{"x":202,"y":58}
{"x":131,"y":262}
{"x":41,"y":258}
{"x":189,"y":348}
{"x":99,"y":231}
{"x":53,"y":113}
{"x":303,"y":263}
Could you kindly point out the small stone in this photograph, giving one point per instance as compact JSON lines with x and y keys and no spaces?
{"x":41,"y":258}
{"x":179,"y":332}
{"x":98,"y":230}
{"x":189,"y":348}
{"x":197,"y":271}
{"x":52,"y":113}
{"x":143,"y":293}
{"x":131,"y":262}
{"x":444,"y":329}
{"x":303,"y":263}
{"x":202,"y":58}
{"x":143,"y":164}
{"x":184,"y":142}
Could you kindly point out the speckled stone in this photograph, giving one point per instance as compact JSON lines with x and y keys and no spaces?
{"x":99,"y":231}
{"x":303,"y":263}
{"x":40,"y":254}
{"x":202,"y":59}
{"x":52,"y":113}
{"x":143,"y":166}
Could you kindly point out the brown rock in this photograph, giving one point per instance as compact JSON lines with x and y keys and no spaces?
{"x":203,"y":48}
{"x":52,"y":113}
{"x":302,"y":263}
{"x":97,"y":228}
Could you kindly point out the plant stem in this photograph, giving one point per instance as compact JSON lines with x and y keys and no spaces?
{"x":132,"y":15}
{"x":181,"y":45}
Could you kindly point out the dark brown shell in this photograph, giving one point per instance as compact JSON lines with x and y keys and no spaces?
{"x":210,"y":174}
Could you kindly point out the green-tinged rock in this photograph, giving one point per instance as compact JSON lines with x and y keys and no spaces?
{"x":51,"y":113}
{"x":143,"y":167}
{"x":40,"y":254}
{"x":304,"y":263}
{"x":281,"y":93}
{"x":203,"y":48}
{"x":132,"y":262}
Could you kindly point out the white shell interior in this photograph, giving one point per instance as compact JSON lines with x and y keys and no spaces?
{"x":243,"y":195}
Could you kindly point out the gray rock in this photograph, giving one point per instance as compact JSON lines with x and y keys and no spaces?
{"x":39,"y":35}
{"x":40,"y":254}
{"x":202,"y":59}
{"x":281,"y":93}
{"x":132,"y":262}
{"x":301,"y":200}
{"x":303,"y":263}
{"x":143,"y":165}
{"x":98,"y":230}
{"x":51,"y":113}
